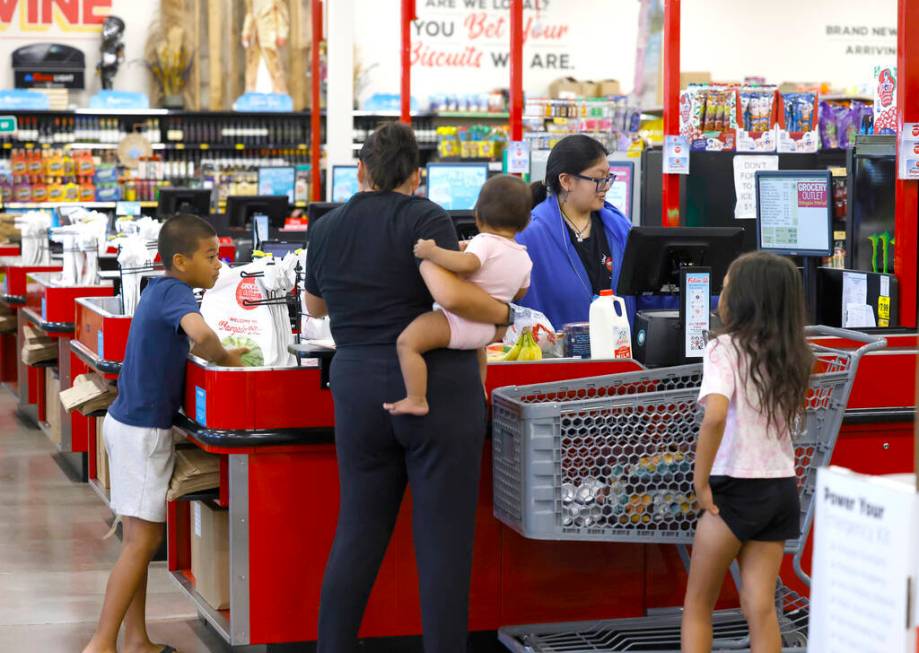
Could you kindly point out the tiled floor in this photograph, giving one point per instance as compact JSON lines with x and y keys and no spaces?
{"x":54,"y":563}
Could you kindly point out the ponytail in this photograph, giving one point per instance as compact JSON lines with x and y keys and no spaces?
{"x":540,"y":192}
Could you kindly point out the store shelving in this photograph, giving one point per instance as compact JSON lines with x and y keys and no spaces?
{"x":218,"y":619}
{"x":58,"y":205}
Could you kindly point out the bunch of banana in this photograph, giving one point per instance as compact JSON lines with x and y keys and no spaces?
{"x":525,"y":349}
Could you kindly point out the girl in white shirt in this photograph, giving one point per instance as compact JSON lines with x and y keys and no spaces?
{"x":755,"y":380}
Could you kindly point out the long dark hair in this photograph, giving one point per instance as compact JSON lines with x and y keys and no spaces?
{"x":763,"y":312}
{"x":390,"y":155}
{"x":571,"y":155}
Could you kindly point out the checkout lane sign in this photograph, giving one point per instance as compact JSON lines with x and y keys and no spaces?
{"x":8,"y":124}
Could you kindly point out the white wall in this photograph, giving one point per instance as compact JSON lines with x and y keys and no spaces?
{"x":596,"y":41}
{"x":788,"y":40}
{"x":137,"y":14}
{"x":783,"y":40}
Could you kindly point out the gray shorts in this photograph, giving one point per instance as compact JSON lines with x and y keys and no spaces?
{"x":141,"y":461}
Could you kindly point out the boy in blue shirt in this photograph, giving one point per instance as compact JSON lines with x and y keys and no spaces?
{"x":138,"y":427}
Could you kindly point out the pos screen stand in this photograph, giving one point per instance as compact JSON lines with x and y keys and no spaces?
{"x":689,"y":261}
{"x":695,"y":310}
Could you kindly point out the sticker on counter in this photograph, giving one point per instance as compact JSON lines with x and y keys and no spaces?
{"x":200,"y":405}
{"x":196,"y":511}
{"x":44,"y":309}
{"x":883,"y":311}
{"x":100,"y":344}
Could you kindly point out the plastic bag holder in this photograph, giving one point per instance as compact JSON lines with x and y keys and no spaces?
{"x":323,"y":354}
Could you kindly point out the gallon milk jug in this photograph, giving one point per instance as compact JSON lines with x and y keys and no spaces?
{"x":610,"y":334}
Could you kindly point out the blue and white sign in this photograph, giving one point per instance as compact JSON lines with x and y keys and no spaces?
{"x":127,"y":208}
{"x":24,"y":100}
{"x":100,"y":344}
{"x":200,"y":405}
{"x":119,"y":100}
{"x":265,"y":102}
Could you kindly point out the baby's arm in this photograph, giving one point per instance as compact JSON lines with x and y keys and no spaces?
{"x":457,"y":262}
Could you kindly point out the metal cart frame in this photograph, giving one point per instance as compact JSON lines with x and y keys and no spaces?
{"x":610,"y":459}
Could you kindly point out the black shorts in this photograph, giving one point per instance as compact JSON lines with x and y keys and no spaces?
{"x":761,"y":509}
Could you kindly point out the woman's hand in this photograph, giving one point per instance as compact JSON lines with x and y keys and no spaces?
{"x":424,"y":249}
{"x":706,"y":499}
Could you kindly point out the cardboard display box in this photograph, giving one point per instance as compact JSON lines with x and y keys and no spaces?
{"x":102,"y":470}
{"x":53,"y":412}
{"x":210,"y":554}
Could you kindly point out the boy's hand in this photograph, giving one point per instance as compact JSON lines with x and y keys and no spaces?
{"x":463,"y":244}
{"x":235,"y":356}
{"x":424,"y":249}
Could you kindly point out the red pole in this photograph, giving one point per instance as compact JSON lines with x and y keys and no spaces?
{"x":516,"y":60}
{"x":408,"y":15}
{"x":907,"y":198}
{"x":671,"y":95}
{"x":315,"y":102}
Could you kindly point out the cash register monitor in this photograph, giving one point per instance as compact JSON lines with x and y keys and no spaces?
{"x":316,"y":211}
{"x":241,"y":208}
{"x":456,"y":186}
{"x":344,"y":183}
{"x":464,"y":223}
{"x":654,"y":256}
{"x":196,"y":201}
{"x":794,"y":212}
{"x":652,"y":264}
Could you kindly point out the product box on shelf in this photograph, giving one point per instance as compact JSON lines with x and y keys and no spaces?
{"x":885,"y":99}
{"x":709,"y":117}
{"x":798,"y":126}
{"x":759,"y":117}
{"x":52,"y":391}
{"x":210,"y":554}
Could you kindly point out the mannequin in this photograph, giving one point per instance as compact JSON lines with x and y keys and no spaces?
{"x":112,"y":50}
{"x":265,"y":30}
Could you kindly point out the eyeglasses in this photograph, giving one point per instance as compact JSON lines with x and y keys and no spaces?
{"x":603,"y":184}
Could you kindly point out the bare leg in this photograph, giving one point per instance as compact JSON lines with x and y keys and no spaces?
{"x":427,"y":332}
{"x":141,"y":540}
{"x":759,"y":571}
{"x":136,"y":639}
{"x":713,"y":550}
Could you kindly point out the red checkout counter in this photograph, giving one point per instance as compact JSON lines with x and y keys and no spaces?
{"x":272,"y":430}
{"x":99,"y":343}
{"x":51,"y":308}
{"x":13,"y":295}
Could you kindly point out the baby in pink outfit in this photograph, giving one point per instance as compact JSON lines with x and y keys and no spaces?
{"x":494,"y":261}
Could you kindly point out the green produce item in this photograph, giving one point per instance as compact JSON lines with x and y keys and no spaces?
{"x":252,"y":358}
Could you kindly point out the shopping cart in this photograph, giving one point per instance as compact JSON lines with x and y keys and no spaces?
{"x":610,"y":459}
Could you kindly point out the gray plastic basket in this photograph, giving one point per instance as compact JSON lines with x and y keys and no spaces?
{"x":610,"y":458}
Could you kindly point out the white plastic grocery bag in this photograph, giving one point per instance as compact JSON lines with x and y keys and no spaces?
{"x":539,"y":324}
{"x":236,"y":309}
{"x":232,"y":310}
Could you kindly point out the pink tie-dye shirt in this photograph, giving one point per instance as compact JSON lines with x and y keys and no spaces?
{"x":749,"y":448}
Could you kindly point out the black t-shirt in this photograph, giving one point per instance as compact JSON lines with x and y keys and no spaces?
{"x":360,"y":262}
{"x":595,"y":254}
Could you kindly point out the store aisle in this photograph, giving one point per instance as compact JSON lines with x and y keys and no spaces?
{"x":53,"y":561}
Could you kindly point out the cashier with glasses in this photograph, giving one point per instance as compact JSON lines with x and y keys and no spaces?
{"x":576,"y":239}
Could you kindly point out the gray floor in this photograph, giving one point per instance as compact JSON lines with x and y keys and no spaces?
{"x":53,"y":561}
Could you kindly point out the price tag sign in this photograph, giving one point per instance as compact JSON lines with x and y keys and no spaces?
{"x":676,"y":155}
{"x":7,"y":124}
{"x":908,"y":151}
{"x":518,"y":157}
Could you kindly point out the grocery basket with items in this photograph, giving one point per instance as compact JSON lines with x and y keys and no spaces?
{"x":611,"y":459}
